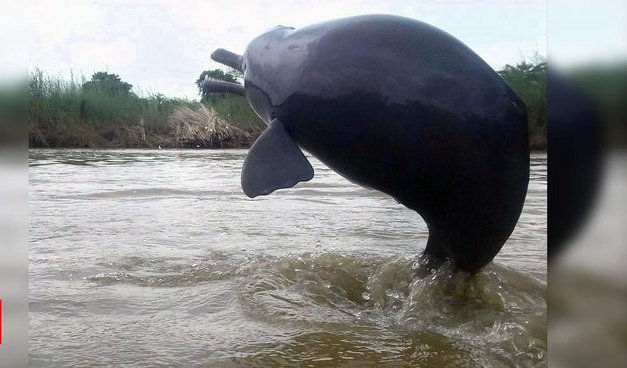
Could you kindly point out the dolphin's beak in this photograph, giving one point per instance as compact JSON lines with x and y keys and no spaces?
{"x":228,"y":58}
{"x":217,"y":86}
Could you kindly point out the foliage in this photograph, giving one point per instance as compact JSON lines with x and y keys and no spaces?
{"x":13,"y":110}
{"x":607,"y":87}
{"x":110,"y":84}
{"x":234,"y":109}
{"x":237,"y":111}
{"x":105,"y":112}
{"x":529,"y":82}
{"x":95,"y":113}
{"x":232,"y":75}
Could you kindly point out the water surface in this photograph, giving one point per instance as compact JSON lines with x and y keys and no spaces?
{"x":156,"y":258}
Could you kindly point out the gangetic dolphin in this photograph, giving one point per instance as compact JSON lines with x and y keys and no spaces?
{"x":396,"y":105}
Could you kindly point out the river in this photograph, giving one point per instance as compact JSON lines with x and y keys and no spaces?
{"x":147,"y":258}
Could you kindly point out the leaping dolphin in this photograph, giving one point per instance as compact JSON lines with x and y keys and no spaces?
{"x":396,"y":105}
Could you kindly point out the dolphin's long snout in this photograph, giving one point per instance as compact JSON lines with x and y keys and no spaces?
{"x":228,"y":58}
{"x":217,"y":86}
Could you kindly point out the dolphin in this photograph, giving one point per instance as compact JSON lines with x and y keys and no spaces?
{"x":395,"y":105}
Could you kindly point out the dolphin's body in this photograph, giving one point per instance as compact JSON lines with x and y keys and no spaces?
{"x":395,"y":105}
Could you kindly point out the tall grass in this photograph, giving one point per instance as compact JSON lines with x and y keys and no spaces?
{"x":62,"y":113}
{"x":236,"y":110}
{"x":205,"y":128}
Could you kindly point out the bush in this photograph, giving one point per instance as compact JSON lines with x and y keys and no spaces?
{"x":529,"y":82}
{"x":96,"y":113}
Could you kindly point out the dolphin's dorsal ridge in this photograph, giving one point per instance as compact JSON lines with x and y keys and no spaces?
{"x":274,"y":162}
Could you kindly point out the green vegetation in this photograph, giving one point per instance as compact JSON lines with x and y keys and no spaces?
{"x":100,"y":112}
{"x":529,"y":82}
{"x":105,"y":112}
{"x":607,"y":88}
{"x":13,"y":110}
{"x":233,"y":76}
{"x":234,"y":109}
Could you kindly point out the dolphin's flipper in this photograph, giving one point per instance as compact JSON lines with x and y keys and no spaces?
{"x":274,"y":162}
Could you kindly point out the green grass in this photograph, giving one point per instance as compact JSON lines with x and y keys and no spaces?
{"x":237,"y":111}
{"x":64,"y":114}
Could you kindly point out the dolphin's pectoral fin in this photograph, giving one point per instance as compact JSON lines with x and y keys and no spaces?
{"x":274,"y":162}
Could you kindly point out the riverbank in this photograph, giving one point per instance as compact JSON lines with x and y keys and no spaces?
{"x":104,"y":113}
{"x":136,"y":137}
{"x":187,"y":127}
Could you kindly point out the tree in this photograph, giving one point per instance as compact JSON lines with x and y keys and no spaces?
{"x":233,"y":76}
{"x":528,"y":79}
{"x":110,"y":84}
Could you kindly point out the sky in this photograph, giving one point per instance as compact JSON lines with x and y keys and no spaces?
{"x":162,"y":46}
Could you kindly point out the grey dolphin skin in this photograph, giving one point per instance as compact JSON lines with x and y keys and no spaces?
{"x":395,"y":105}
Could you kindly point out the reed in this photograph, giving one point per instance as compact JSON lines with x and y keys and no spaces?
{"x":203,"y":127}
{"x":63,"y":113}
